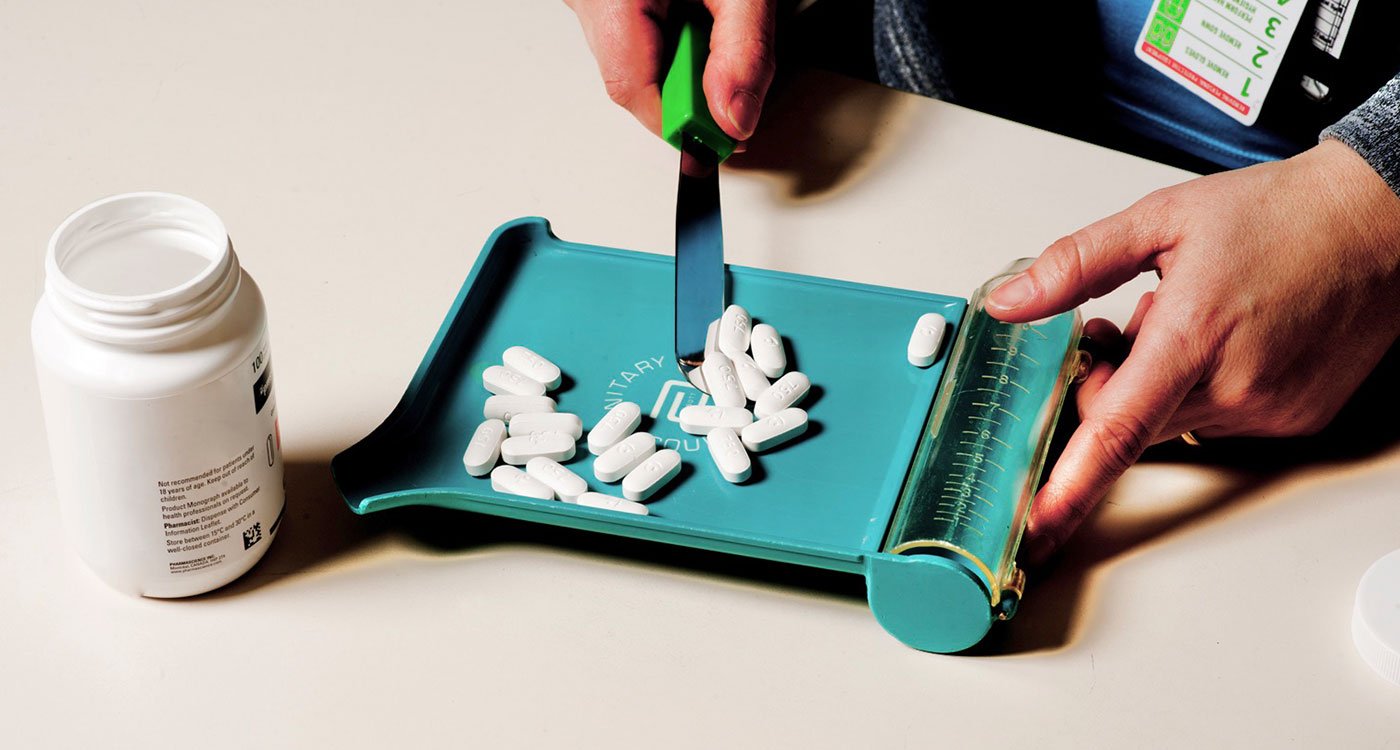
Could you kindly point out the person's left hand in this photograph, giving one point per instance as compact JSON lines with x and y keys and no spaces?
{"x":1280,"y":292}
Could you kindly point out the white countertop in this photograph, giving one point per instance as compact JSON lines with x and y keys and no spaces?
{"x":360,"y":153}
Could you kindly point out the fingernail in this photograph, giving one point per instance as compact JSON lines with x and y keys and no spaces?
{"x":1013,"y":293}
{"x":743,"y":113}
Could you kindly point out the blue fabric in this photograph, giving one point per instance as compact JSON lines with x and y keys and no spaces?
{"x":1096,"y":90}
{"x":1151,"y":104}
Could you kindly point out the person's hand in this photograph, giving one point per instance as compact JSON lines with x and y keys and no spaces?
{"x":1280,"y":292}
{"x":626,"y":38}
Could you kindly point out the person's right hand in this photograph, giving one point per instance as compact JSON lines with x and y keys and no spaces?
{"x":625,"y":36}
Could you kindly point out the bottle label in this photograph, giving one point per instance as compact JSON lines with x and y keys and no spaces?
{"x":214,"y":512}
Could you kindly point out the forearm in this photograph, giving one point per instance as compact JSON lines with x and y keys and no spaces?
{"x":1373,"y":131}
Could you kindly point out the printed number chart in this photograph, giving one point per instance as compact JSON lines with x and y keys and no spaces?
{"x":1226,"y":51}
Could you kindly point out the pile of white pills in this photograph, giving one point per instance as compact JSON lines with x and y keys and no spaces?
{"x":523,"y":427}
{"x":740,"y":360}
{"x":754,"y":409}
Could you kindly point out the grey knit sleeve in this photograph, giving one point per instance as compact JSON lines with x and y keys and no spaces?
{"x":1373,"y":131}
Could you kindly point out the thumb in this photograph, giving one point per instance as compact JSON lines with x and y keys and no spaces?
{"x":741,"y":63}
{"x":1089,"y":263}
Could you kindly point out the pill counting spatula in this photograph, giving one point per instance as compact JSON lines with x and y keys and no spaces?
{"x":686,"y":123}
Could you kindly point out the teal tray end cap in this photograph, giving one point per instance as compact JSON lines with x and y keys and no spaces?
{"x":927,"y":602}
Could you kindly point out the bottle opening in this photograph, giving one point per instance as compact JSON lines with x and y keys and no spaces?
{"x":139,"y":245}
{"x":139,"y":267}
{"x":139,"y":262}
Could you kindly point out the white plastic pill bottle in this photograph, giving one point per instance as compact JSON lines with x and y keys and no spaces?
{"x":155,"y":374}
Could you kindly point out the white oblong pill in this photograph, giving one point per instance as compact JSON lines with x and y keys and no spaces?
{"x":505,"y":407}
{"x":609,"y":502}
{"x":768,"y":351}
{"x":518,"y":450}
{"x":533,"y":366}
{"x":696,"y":376}
{"x":728,"y":452}
{"x":789,"y":390}
{"x":504,"y":381}
{"x":926,"y":339}
{"x":613,"y":427}
{"x":774,"y":430}
{"x":624,"y":457}
{"x":751,"y":378}
{"x":567,"y":485}
{"x":651,"y":475}
{"x":513,"y":481}
{"x":699,"y":420}
{"x":547,"y":421}
{"x":734,"y":330}
{"x":484,"y":448}
{"x":723,"y":380}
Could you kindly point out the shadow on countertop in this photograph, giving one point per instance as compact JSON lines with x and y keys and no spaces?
{"x":317,"y":528}
{"x":820,"y":132}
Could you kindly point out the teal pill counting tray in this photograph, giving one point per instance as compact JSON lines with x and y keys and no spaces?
{"x":919,"y":479}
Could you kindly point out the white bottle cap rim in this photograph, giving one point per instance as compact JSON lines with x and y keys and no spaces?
{"x":1375,"y":623}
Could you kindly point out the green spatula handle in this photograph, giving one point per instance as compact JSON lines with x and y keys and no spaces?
{"x":684,"y":114}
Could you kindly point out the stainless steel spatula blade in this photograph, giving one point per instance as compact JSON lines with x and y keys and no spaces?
{"x":686,"y":123}
{"x":699,"y":253}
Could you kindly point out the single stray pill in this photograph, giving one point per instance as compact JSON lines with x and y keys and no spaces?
{"x":723,"y":380}
{"x":609,"y":502}
{"x":484,"y":448}
{"x":789,"y":390}
{"x":728,"y":452}
{"x":926,"y":339}
{"x":505,"y":407}
{"x":734,"y":330}
{"x":504,"y":381}
{"x":513,"y":481}
{"x":567,"y":485}
{"x":751,"y":378}
{"x":768,"y":351}
{"x":613,"y":426}
{"x":546,"y":421}
{"x":651,"y":475}
{"x":533,"y":366}
{"x":774,"y":429}
{"x":518,"y":450}
{"x":624,"y":457}
{"x":699,"y":420}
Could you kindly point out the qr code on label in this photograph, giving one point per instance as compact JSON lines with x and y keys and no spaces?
{"x":252,"y":535}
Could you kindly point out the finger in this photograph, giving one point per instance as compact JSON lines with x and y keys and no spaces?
{"x":1130,"y":331}
{"x":741,"y":63}
{"x":1107,"y":347}
{"x":626,"y":41}
{"x":1089,"y":263}
{"x":1103,"y":341}
{"x":1093,"y":384}
{"x":1122,"y":419}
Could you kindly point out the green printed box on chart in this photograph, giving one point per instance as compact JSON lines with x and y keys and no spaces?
{"x":1173,"y":10}
{"x":1163,"y":32}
